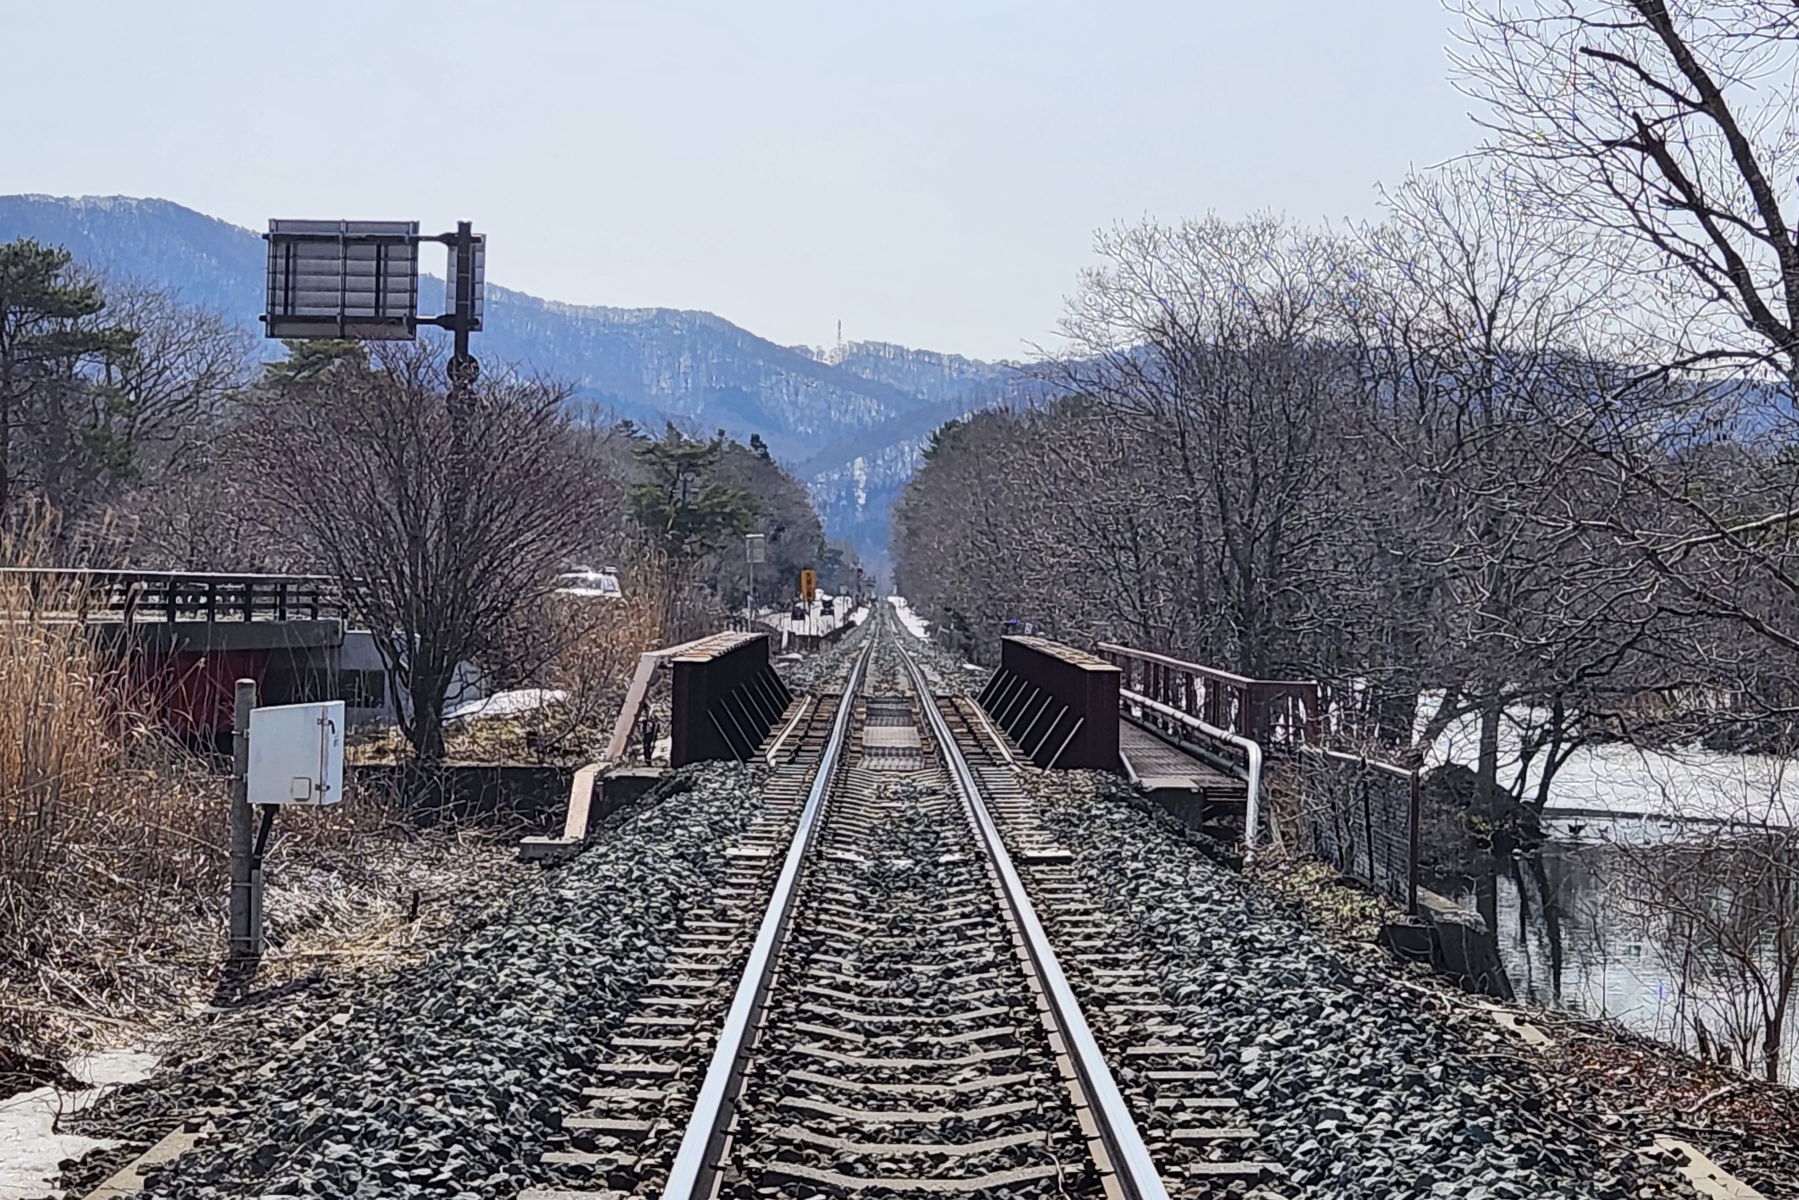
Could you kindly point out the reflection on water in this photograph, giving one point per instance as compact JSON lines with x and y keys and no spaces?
{"x":1583,"y":924}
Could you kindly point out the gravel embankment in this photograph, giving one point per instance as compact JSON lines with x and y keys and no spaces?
{"x":948,"y":673}
{"x":828,"y":668}
{"x":825,"y":670}
{"x":444,"y":1077}
{"x":1367,"y":1088}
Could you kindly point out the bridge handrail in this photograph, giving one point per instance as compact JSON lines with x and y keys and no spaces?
{"x":132,"y":595}
{"x":1217,"y":673}
{"x":1252,"y":810}
{"x":1278,"y":712}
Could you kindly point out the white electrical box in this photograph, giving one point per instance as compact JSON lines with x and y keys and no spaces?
{"x":297,"y":754}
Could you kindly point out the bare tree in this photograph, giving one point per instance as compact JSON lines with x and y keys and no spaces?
{"x":175,"y":392}
{"x":438,"y":561}
{"x":1209,"y":337}
{"x":1480,"y":327}
{"x":113,"y":388}
{"x":1672,"y":130}
{"x":1672,"y":124}
{"x":1722,"y":905}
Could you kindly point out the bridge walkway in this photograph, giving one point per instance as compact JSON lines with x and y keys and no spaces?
{"x":1196,"y":791}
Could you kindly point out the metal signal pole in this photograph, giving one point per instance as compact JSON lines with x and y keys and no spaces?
{"x":754,"y":552}
{"x":464,"y":371}
{"x":464,"y":299}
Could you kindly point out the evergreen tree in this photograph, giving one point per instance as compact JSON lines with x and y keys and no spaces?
{"x":686,"y":510}
{"x":307,"y":362}
{"x":46,"y":337}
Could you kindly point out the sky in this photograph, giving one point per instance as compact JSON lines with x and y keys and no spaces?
{"x":927,"y":173}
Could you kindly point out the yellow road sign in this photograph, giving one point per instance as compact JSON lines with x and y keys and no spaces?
{"x":808,"y":585}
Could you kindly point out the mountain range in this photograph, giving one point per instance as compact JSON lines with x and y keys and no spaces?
{"x":849,"y":421}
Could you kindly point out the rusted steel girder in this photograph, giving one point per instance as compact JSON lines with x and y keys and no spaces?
{"x":1059,"y":704}
{"x":726,"y":698}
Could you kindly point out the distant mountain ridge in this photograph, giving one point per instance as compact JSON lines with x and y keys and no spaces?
{"x":847,"y":419}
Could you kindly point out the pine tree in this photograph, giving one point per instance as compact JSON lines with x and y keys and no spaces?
{"x":684,"y":510}
{"x":45,"y":335}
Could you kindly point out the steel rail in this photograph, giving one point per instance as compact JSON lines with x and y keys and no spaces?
{"x":694,"y":1173}
{"x":1131,"y":1164}
{"x":999,"y":742}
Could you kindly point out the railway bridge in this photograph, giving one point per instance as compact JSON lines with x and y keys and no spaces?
{"x":186,"y":637}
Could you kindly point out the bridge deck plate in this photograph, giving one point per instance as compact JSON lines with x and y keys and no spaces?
{"x":1162,"y":767}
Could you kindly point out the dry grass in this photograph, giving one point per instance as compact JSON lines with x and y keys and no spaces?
{"x":1329,"y":901}
{"x":109,"y":833}
{"x":374,"y":901}
{"x":113,"y":842}
{"x":113,"y":837}
{"x":599,"y":653}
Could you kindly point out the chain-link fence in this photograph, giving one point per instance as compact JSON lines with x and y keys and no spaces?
{"x":1361,"y":816}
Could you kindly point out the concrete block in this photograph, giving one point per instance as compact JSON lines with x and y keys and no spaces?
{"x":1185,"y":804}
{"x":1406,"y":940}
{"x":548,"y":850}
{"x":1465,"y":950}
{"x":622,"y":785}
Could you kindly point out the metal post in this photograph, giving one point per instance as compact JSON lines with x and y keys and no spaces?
{"x":256,"y":913}
{"x":242,"y":907}
{"x":464,"y":370}
{"x":1368,"y":825}
{"x":1411,"y":905}
{"x":262,"y":841}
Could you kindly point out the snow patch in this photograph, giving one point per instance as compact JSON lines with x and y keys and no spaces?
{"x":506,"y":704}
{"x":31,"y":1151}
{"x":915,"y":625}
{"x":105,"y":1067}
{"x":817,"y":620}
{"x":1690,"y":783}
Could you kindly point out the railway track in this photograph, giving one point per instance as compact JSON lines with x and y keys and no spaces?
{"x":815,"y":978}
{"x":872,"y":1004}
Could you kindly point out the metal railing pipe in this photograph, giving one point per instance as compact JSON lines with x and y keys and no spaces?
{"x":1252,"y":808}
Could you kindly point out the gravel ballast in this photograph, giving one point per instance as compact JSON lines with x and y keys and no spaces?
{"x":825,"y":670}
{"x":442,"y":1079}
{"x":451,"y":1077}
{"x":1363,"y":1086}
